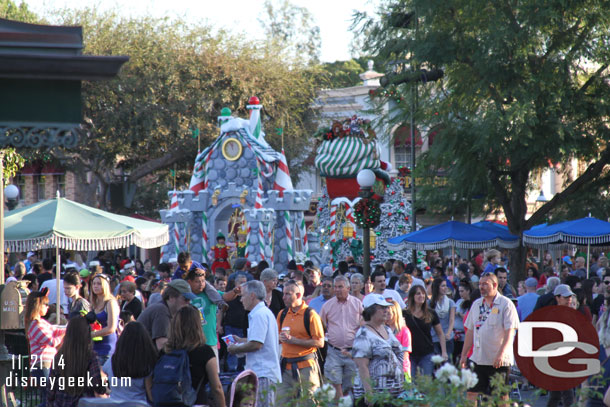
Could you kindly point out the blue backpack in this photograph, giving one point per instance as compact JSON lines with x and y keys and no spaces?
{"x":172,"y":384}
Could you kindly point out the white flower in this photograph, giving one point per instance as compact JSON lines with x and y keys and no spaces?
{"x":469,"y":378}
{"x":446,"y":371}
{"x":455,"y":380}
{"x":345,"y":401}
{"x":437,"y":359}
{"x":326,"y":391}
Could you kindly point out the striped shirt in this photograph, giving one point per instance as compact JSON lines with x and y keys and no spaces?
{"x":44,"y":339}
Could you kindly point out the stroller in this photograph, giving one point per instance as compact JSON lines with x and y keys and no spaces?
{"x":246,"y":380}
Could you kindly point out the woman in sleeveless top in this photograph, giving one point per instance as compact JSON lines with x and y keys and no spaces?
{"x":106,"y":310}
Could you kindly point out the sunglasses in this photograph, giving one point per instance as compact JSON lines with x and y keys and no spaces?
{"x":606,"y":282}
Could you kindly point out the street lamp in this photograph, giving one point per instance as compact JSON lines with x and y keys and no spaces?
{"x":11,"y":192}
{"x":366,"y":180}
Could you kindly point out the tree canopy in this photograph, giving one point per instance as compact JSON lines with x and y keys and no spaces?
{"x":174,"y":86}
{"x":525,"y":86}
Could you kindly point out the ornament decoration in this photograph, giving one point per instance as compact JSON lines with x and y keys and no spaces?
{"x":368,"y":213}
{"x":353,"y":126}
{"x":391,"y":92}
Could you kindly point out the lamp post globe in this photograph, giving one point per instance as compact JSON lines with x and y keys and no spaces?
{"x":11,"y":192}
{"x":366,"y":178}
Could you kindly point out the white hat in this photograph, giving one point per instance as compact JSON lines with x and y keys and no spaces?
{"x":129,"y":265}
{"x":372,"y":299}
{"x":327,"y":271}
{"x":563,"y":290}
{"x":173,"y":260}
{"x":93,"y":263}
{"x":253,"y":264}
{"x":30,"y":254}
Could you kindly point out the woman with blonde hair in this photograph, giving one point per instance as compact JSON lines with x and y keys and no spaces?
{"x":106,"y":309}
{"x":186,"y":334}
{"x":396,"y":322}
{"x":42,"y":336}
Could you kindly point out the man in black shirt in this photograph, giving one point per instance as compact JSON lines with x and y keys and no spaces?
{"x":235,"y":322}
{"x":47,"y":271}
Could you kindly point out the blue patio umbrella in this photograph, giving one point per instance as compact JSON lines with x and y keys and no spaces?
{"x":505,"y":238}
{"x":452,"y":234}
{"x":585,"y":231}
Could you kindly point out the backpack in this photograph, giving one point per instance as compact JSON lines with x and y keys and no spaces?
{"x":306,"y":322}
{"x":172,"y":384}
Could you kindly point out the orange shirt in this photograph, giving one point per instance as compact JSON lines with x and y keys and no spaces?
{"x":294,"y":320}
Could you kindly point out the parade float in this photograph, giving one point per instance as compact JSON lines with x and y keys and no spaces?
{"x":345,"y":148}
{"x":241,"y":189}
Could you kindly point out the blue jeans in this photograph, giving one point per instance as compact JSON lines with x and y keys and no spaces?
{"x":422,"y":365}
{"x":234,"y":363}
{"x":39,"y":373}
{"x":102,"y":359}
{"x":448,"y":346}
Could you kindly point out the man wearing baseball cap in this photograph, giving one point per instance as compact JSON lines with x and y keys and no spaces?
{"x":563,"y":296}
{"x":157,"y":317}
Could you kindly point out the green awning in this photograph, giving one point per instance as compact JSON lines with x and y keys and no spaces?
{"x":73,"y":226}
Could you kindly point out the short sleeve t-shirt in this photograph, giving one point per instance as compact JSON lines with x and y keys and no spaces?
{"x":385,"y":361}
{"x":136,"y":391}
{"x":420,"y":331}
{"x":156,"y":319}
{"x":208,"y":311}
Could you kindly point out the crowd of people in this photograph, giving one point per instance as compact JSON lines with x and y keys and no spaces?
{"x":294,"y":331}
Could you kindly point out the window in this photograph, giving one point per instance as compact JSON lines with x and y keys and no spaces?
{"x":402,"y":146}
{"x":60,"y":181}
{"x":402,"y":155}
{"x":20,"y":182}
{"x":40,"y":186}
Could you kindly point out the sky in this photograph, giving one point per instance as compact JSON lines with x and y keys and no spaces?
{"x":332,"y":16}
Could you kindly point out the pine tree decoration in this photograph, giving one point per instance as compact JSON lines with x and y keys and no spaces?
{"x":395,"y":221}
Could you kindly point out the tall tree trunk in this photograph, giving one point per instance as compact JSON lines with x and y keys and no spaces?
{"x":518,"y":259}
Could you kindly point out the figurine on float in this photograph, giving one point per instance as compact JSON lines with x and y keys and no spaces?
{"x":221,"y":254}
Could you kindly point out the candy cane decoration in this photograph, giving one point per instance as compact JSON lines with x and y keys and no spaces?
{"x":176,"y":239}
{"x":261,"y":240}
{"x":248,"y":241}
{"x":204,"y":236}
{"x":303,"y":231}
{"x":268,"y":246}
{"x":288,"y":231}
{"x":207,"y":161}
{"x":258,"y":202}
{"x":272,"y":243}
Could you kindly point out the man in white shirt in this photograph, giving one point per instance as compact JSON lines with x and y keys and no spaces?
{"x":491,"y":324}
{"x":379,"y":287}
{"x":51,"y":285}
{"x":262,"y":345}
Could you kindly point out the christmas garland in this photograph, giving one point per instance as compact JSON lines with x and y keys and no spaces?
{"x":390,"y":93}
{"x":367,"y":213}
{"x":353,"y":126}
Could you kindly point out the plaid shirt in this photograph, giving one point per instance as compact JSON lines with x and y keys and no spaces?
{"x":57,"y":396}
